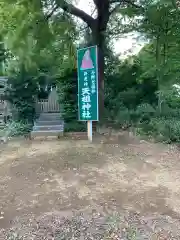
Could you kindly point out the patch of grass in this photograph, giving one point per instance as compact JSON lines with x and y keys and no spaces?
{"x":131,"y":233}
{"x":2,"y":132}
{"x":13,"y":236}
{"x":77,"y":227}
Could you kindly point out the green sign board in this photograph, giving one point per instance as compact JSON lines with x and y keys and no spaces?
{"x":88,"y":84}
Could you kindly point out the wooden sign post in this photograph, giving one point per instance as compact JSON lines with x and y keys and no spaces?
{"x":89,"y":130}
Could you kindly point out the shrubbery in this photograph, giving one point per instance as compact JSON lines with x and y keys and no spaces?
{"x":21,"y":93}
{"x":162,"y":124}
{"x":132,"y":99}
{"x":15,"y":128}
{"x":68,"y":89}
{"x":137,"y":103}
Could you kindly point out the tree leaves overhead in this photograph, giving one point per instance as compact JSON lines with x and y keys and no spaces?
{"x":31,"y":36}
{"x":160,"y":24}
{"x":45,"y":30}
{"x":30,"y":23}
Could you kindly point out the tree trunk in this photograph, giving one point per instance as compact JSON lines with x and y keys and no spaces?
{"x":99,"y":40}
{"x":101,"y":76}
{"x":99,"y":28}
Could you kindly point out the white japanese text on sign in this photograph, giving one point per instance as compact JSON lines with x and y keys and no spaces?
{"x":86,"y":98}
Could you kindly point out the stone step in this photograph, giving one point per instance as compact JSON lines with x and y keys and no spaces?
{"x":46,"y":134}
{"x":49,"y":128}
{"x":49,"y":118}
{"x":48,"y":123}
{"x":50,"y":114}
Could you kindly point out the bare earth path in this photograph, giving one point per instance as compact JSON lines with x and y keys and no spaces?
{"x":134,"y":179}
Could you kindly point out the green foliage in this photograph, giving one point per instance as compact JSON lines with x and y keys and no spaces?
{"x":162,"y":125}
{"x":40,"y":48}
{"x":160,"y":25}
{"x":162,"y":129}
{"x":132,"y":101}
{"x":17,"y":128}
{"x":68,"y":97}
{"x":124,"y":88}
{"x":123,"y":118}
{"x":170,"y":70}
{"x":135,"y":90}
{"x":32,"y":37}
{"x":21,"y":93}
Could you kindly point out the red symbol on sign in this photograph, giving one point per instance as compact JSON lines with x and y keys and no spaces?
{"x":87,"y":61}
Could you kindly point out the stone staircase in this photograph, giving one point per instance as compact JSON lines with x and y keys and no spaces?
{"x":47,"y":125}
{"x":2,"y":123}
{"x":2,"y":116}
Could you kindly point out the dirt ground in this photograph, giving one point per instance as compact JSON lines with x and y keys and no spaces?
{"x":128,"y":177}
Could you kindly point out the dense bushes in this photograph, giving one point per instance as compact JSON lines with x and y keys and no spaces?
{"x":16,"y":128}
{"x":24,"y":88}
{"x":68,"y":89}
{"x":164,"y":123}
{"x":147,"y":120}
{"x":21,"y":93}
{"x":133,"y":100}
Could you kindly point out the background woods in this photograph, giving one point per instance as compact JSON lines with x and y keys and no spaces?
{"x":38,"y":49}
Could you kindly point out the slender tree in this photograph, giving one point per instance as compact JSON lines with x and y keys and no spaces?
{"x":161,"y":26}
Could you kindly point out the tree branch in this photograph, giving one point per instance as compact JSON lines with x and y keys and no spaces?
{"x":115,"y":8}
{"x":93,"y":12}
{"x":126,"y":1}
{"x":95,"y":2}
{"x":69,"y":8}
{"x":52,"y":12}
